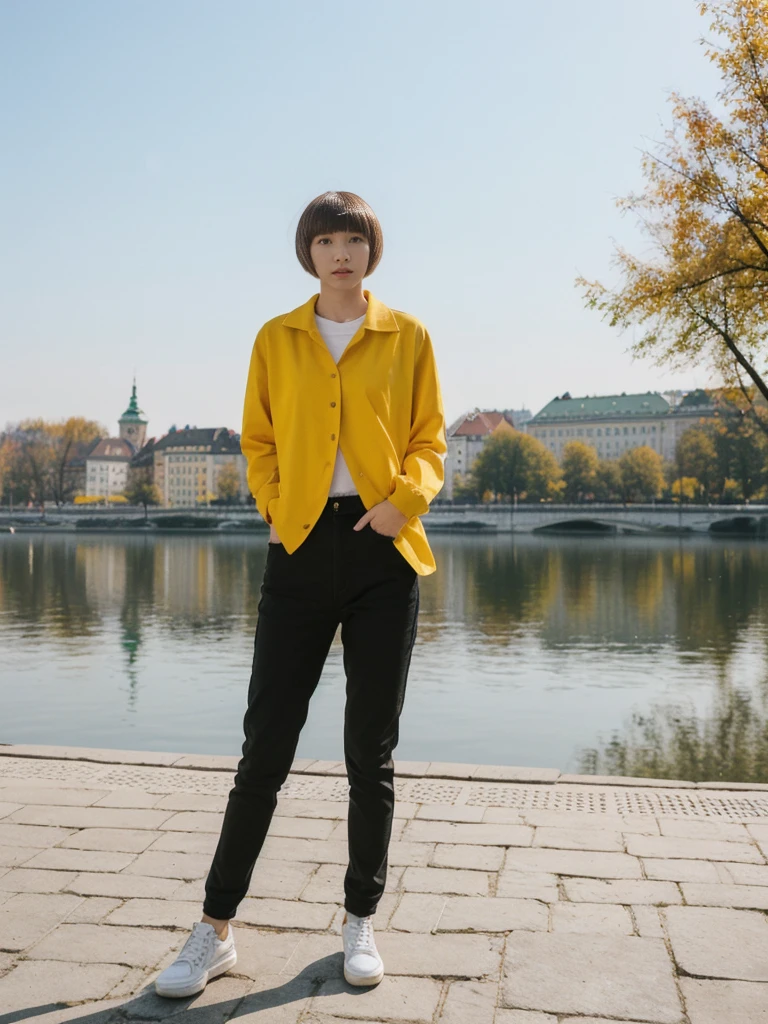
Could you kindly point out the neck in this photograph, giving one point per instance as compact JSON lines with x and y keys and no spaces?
{"x":341,"y":306}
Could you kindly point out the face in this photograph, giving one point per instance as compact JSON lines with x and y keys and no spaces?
{"x":340,"y":259}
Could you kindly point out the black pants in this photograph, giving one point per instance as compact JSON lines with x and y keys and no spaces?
{"x":338,"y":575}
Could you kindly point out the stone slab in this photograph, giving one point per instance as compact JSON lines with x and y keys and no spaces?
{"x":401,"y":999}
{"x":725,"y":1002}
{"x":477,"y":858}
{"x":119,"y":840}
{"x":492,"y":914}
{"x":89,"y":817}
{"x":599,"y":890}
{"x":25,"y":918}
{"x":444,"y":880}
{"x":693,"y":849}
{"x":717,"y":943}
{"x":91,"y":943}
{"x":750,"y":897}
{"x":574,"y":862}
{"x":616,"y":976}
{"x":591,"y":918}
{"x":579,"y":839}
{"x":35,"y":982}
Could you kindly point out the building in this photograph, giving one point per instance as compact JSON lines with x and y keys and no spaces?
{"x":132,"y":427}
{"x":108,"y":460}
{"x":186,"y":464}
{"x":106,"y":468}
{"x":613,"y":424}
{"x":466,"y":438}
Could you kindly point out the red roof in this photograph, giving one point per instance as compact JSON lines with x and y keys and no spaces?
{"x":112,"y":448}
{"x":479,"y":424}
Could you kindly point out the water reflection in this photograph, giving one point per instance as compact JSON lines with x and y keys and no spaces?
{"x":630,"y":656}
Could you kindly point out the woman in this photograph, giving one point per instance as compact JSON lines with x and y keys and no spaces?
{"x":344,"y":434}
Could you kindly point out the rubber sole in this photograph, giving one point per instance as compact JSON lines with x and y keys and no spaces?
{"x":354,"y":979}
{"x":192,"y":990}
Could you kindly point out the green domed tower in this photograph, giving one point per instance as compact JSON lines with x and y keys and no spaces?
{"x":133,"y":427}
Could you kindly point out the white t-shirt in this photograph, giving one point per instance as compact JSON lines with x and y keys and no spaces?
{"x":337,"y":336}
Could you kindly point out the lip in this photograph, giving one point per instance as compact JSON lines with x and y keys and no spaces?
{"x":341,"y":273}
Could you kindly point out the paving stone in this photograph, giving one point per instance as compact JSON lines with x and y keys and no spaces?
{"x":8,"y":808}
{"x":275,"y":999}
{"x":483,"y":833}
{"x":450,"y":812}
{"x":13,"y":856}
{"x":92,"y":943}
{"x":492,"y":914}
{"x":214,"y":1005}
{"x":190,"y":802}
{"x":417,"y":912}
{"x":479,"y":858}
{"x":33,"y":983}
{"x":753,"y":897}
{"x":90,"y":817}
{"x":156,"y":913}
{"x":60,"y":859}
{"x":524,"y":1017}
{"x":689,"y":829}
{"x":126,"y":798}
{"x":718,"y":1002}
{"x":442,"y":956}
{"x":591,"y":918}
{"x":693,"y":849}
{"x":186,"y":842}
{"x":280,"y":848}
{"x":580,"y":820}
{"x":401,"y":999}
{"x":504,"y":816}
{"x":32,"y":793}
{"x":384,"y":910}
{"x":647,"y":921}
{"x":595,"y":1020}
{"x":744,"y":874}
{"x":527,"y":885}
{"x":758,"y":831}
{"x":289,"y":880}
{"x":470,"y":1002}
{"x":190,"y":891}
{"x":170,"y":865}
{"x":29,"y":880}
{"x":119,"y":840}
{"x":447,"y":880}
{"x":104,"y":1011}
{"x":681,"y":870}
{"x":326,"y":808}
{"x":123,"y":886}
{"x":31,"y":835}
{"x":193,"y":821}
{"x":25,"y":918}
{"x":579,"y":839}
{"x":614,"y":976}
{"x":574,"y":862}
{"x":599,"y":890}
{"x":262,"y":953}
{"x":717,"y":943}
{"x":274,"y":913}
{"x":92,"y":910}
{"x":306,"y":828}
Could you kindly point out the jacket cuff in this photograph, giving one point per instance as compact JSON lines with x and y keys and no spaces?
{"x":408,"y":499}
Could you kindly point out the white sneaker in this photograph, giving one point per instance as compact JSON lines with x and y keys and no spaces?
{"x":203,"y":956}
{"x":362,"y":963}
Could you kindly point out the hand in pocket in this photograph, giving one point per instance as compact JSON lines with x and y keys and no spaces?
{"x":273,"y":538}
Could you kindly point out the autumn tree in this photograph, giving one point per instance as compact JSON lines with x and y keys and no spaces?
{"x":608,"y":485}
{"x":641,"y":474}
{"x":695,"y":456}
{"x":579,"y":465}
{"x":701,"y":295}
{"x":228,"y":482}
{"x":43,"y":454}
{"x":513,"y":464}
{"x":141,"y":490}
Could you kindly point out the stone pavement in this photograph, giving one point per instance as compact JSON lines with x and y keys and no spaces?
{"x":514,"y":896}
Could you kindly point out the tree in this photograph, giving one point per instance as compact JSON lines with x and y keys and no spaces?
{"x":641,"y":473}
{"x":579,"y":466}
{"x":228,"y":482}
{"x":516,"y":465}
{"x":608,"y":485}
{"x":142,"y":491}
{"x":703,"y":293}
{"x":695,"y":456}
{"x":741,"y":451}
{"x":43,"y":455}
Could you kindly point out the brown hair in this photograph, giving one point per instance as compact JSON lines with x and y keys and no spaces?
{"x":338,"y":211}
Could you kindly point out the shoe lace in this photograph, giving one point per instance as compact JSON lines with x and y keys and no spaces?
{"x":363,"y":941}
{"x":197,"y":946}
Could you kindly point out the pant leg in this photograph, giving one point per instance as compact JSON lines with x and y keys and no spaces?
{"x":379,"y":623}
{"x":295,"y":628}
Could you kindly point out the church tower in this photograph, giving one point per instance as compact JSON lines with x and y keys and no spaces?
{"x":133,"y":427}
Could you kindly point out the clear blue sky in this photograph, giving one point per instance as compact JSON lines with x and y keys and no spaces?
{"x":157,"y":157}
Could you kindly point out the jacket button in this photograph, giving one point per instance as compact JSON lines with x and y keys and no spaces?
{"x":333,"y":405}
{"x":306,"y":526}
{"x":333,"y":437}
{"x":333,"y":374}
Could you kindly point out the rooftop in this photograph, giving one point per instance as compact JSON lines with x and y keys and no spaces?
{"x":651,"y":403}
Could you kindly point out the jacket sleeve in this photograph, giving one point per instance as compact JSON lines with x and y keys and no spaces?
{"x":257,"y":439}
{"x":424,"y":463}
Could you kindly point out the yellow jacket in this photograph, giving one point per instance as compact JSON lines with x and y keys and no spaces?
{"x":382,"y":404}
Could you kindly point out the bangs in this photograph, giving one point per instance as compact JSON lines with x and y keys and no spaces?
{"x":338,"y":211}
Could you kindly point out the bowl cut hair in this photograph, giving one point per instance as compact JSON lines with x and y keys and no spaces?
{"x":338,"y":211}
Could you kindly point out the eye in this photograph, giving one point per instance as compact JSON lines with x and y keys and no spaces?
{"x":357,"y":238}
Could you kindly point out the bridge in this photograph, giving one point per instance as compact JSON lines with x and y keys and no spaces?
{"x":730,"y":520}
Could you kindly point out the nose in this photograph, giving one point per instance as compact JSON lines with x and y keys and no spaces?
{"x":342,"y":254}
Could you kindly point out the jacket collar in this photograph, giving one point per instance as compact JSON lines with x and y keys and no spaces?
{"x":377,"y":318}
